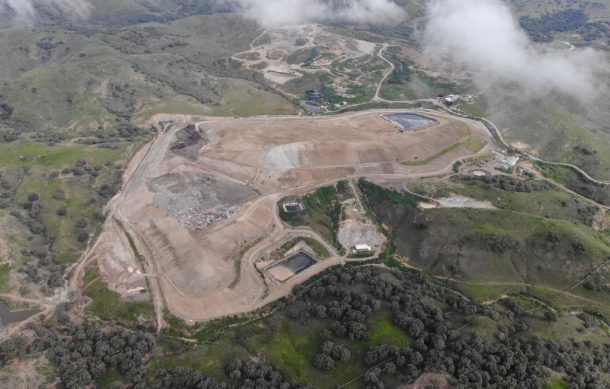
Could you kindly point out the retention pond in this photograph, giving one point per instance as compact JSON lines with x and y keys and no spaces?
{"x":8,"y":317}
{"x":410,"y":121}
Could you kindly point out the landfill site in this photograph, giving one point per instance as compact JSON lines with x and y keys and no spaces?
{"x":199,"y":207}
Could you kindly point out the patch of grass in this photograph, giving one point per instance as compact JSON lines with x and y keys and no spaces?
{"x":484,"y":326}
{"x":107,"y":380}
{"x":530,"y":196}
{"x":556,"y":130}
{"x":476,"y":108}
{"x":36,"y":167}
{"x":384,"y":331}
{"x":322,"y":214}
{"x":436,"y":83}
{"x":209,"y":358}
{"x":29,"y":154}
{"x":574,"y":181}
{"x":108,"y":305}
{"x":305,"y":56}
{"x":243,"y":98}
{"x":317,"y":247}
{"x":482,"y":293}
{"x":328,"y":92}
{"x":216,"y":328}
{"x":556,"y":383}
{"x":398,"y":92}
{"x":290,"y":348}
{"x":5,"y":271}
{"x":375,"y":193}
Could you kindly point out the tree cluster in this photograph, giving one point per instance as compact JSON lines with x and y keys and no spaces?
{"x":246,"y":375}
{"x":508,"y":184}
{"x":86,"y":353}
{"x":331,"y":352}
{"x":542,"y":28}
{"x":425,"y":311}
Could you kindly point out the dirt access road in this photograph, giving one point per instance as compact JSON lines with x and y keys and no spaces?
{"x":190,"y":229}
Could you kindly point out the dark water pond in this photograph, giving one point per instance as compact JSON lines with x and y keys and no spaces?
{"x":7,"y":316}
{"x":298,"y":262}
{"x":410,"y":121}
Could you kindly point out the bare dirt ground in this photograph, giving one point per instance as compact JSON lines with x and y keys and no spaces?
{"x":456,"y":201}
{"x":246,"y":167}
{"x":356,"y":227}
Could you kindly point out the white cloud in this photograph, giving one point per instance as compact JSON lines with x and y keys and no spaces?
{"x":27,"y":11}
{"x":483,"y":36}
{"x":272,"y":13}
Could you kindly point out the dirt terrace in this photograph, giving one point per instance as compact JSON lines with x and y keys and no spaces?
{"x":229,"y":192}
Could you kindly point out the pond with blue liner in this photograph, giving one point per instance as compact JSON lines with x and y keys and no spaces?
{"x":410,"y":121}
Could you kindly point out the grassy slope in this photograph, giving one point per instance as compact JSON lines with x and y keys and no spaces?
{"x":322,"y":213}
{"x":108,"y":305}
{"x":558,"y":130}
{"x":94,"y":84}
{"x":573,"y":181}
{"x":499,"y":251}
{"x":289,"y":346}
{"x":40,"y":161}
{"x":139,"y":69}
{"x":550,"y":203}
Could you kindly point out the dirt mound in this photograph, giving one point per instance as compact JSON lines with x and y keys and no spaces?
{"x":188,"y":142}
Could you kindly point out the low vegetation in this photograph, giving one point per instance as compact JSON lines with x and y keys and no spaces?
{"x":322,"y":213}
{"x":531,"y":196}
{"x":109,"y":305}
{"x":365,"y":326}
{"x":56,"y":193}
{"x":407,"y":84}
{"x":318,"y":249}
{"x":508,"y":249}
{"x":574,"y":181}
{"x":542,"y":28}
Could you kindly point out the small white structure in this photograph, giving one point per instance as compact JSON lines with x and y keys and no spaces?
{"x":468,"y":98}
{"x":508,"y":163}
{"x":362,"y":249}
{"x":452,"y":99}
{"x":293,"y":207}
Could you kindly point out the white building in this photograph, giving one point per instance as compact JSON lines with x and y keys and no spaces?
{"x":362,"y":249}
{"x":508,"y":163}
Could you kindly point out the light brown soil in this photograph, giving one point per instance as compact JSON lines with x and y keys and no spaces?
{"x":193,"y":272}
{"x":356,"y":227}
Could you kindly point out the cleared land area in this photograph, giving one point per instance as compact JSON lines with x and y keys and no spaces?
{"x":191,"y":227}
